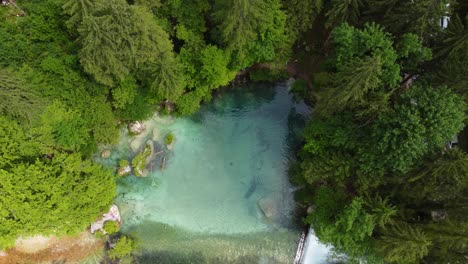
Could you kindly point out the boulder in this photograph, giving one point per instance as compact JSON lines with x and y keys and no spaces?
{"x":268,"y":207}
{"x":105,"y":154}
{"x":438,"y":215}
{"x":136,"y":127}
{"x":124,"y":171}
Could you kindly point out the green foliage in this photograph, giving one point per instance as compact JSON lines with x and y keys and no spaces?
{"x":169,"y":138}
{"x":344,"y":11}
{"x":423,"y":121}
{"x":123,"y":248}
{"x":328,"y":205}
{"x":139,"y":161}
{"x":352,"y":43}
{"x":443,"y":178}
{"x":404,"y":244}
{"x":333,"y":167}
{"x":382,"y":210}
{"x":61,"y":194}
{"x":411,"y":49}
{"x":124,"y":94}
{"x":251,"y":30}
{"x":123,"y":163}
{"x":78,"y":10}
{"x":65,"y":127}
{"x":17,"y":101}
{"x":351,"y":230}
{"x":111,"y":227}
{"x":302,"y":14}
{"x":299,"y":88}
{"x":421,"y":17}
{"x":169,"y":80}
{"x":356,"y":88}
{"x":188,"y":103}
{"x":117,"y":39}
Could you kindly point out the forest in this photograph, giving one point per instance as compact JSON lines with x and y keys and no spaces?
{"x":387,"y":79}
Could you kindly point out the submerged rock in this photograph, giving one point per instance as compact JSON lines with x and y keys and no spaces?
{"x":136,"y":127}
{"x":105,"y":154}
{"x":124,"y":171}
{"x":156,"y":134}
{"x":268,"y":207}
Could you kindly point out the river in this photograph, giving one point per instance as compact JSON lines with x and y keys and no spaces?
{"x":224,"y":194}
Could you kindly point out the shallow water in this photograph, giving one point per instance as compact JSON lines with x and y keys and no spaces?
{"x":229,"y":161}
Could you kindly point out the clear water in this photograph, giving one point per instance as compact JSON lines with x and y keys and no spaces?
{"x":227,"y":159}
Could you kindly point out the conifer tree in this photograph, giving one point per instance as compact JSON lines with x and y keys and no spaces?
{"x":404,"y":244}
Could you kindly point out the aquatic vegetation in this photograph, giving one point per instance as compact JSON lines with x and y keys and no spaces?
{"x":169,"y":138}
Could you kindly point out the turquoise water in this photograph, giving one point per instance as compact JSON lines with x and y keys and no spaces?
{"x":223,"y":196}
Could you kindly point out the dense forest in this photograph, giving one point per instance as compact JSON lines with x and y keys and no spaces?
{"x":388,"y":81}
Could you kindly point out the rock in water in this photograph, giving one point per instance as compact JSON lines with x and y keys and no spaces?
{"x":105,"y":154}
{"x":269,"y":208}
{"x":124,"y":171}
{"x":136,"y":127}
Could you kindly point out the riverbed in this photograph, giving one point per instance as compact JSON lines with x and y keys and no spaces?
{"x":222,"y":194}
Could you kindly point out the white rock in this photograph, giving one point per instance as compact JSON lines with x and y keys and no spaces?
{"x":123,"y":171}
{"x":105,"y":153}
{"x":137,"y":127}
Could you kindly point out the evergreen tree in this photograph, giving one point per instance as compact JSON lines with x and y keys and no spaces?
{"x":344,"y":11}
{"x":404,"y":244}
{"x":302,"y":14}
{"x":441,"y":179}
{"x":78,"y":10}
{"x":17,"y":101}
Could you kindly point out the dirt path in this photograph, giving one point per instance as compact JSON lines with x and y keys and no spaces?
{"x":66,"y":250}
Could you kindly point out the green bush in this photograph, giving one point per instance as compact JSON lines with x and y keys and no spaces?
{"x":123,"y":248}
{"x":299,"y":89}
{"x":111,"y":227}
{"x":169,"y":138}
{"x":123,"y":163}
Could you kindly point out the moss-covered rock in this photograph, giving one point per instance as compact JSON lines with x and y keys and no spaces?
{"x":139,"y":162}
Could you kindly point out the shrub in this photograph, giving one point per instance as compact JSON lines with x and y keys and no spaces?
{"x":123,"y":163}
{"x":123,"y":248}
{"x":111,"y":227}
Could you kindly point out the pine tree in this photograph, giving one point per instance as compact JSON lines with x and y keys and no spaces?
{"x":344,"y":11}
{"x":352,"y":87}
{"x":403,"y":244}
{"x":18,"y":101}
{"x":78,"y":10}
